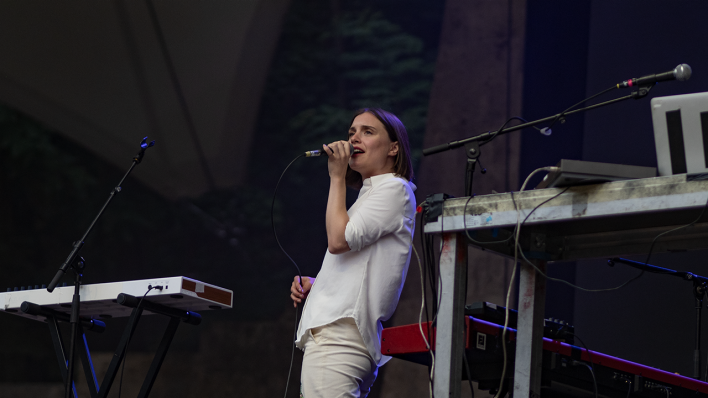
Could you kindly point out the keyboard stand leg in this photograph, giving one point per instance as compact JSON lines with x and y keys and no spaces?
{"x":529,"y":338}
{"x":87,"y":364}
{"x":59,"y":349}
{"x":120,"y":352}
{"x":449,"y":340}
{"x":159,"y":357}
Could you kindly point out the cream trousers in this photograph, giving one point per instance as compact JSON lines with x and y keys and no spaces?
{"x":336,"y":362}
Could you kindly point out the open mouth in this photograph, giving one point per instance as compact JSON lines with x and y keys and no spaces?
{"x":357,"y":151}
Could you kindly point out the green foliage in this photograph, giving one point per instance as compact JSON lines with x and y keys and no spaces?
{"x":334,"y":57}
{"x":28,"y":148}
{"x":331,"y":63}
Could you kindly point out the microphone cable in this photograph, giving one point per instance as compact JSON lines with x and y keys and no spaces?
{"x":125,"y":349}
{"x":494,"y":135}
{"x":272,"y":219}
{"x":299,"y":273}
{"x":518,"y":252}
{"x":272,"y":223}
{"x":431,"y":261}
{"x":592,"y":373}
{"x":547,"y":130}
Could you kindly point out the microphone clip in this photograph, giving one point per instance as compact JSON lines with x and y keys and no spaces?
{"x":642,"y":91}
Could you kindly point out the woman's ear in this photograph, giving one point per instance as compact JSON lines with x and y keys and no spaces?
{"x":393,"y":149}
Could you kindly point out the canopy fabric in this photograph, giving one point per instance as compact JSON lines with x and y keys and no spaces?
{"x":97,"y":73}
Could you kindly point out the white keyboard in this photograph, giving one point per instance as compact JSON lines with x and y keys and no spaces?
{"x":99,"y":300}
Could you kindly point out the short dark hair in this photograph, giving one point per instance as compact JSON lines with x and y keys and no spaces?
{"x":402,"y":166}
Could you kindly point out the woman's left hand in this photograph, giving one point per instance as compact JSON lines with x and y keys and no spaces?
{"x":339,"y":155}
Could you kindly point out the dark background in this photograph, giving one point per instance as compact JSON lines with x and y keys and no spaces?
{"x":586,"y":47}
{"x":332,"y":58}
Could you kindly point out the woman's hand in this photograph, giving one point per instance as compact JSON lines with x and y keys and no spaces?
{"x":338,"y":161}
{"x":337,"y":218}
{"x":299,"y":292}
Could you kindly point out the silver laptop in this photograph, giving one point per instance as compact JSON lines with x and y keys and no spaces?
{"x":681,"y":133}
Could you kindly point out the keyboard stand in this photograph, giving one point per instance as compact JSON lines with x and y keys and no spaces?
{"x":83,"y":353}
{"x":53,"y":316}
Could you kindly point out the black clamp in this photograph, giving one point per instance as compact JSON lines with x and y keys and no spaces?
{"x":143,"y":146}
{"x":433,"y":206}
{"x":642,"y":91}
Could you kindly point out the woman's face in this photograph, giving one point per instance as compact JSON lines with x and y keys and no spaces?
{"x":374,"y":152}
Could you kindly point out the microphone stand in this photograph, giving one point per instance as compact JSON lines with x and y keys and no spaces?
{"x":700,"y":285}
{"x":473,"y":144}
{"x":77,"y":264}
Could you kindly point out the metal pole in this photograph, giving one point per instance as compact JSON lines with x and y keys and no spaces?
{"x":74,"y":320}
{"x":529,"y":337}
{"x":449,"y":345}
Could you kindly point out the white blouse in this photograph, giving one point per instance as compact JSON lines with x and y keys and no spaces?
{"x":365,"y":283}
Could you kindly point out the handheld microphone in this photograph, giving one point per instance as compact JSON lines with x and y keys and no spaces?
{"x":320,"y":152}
{"x":680,"y":73}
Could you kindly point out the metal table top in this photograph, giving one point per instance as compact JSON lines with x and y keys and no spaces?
{"x":609,"y":219}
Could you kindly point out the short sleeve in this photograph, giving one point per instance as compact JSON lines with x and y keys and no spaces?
{"x":382,"y":212}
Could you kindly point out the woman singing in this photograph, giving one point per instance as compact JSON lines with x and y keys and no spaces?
{"x":368,"y":252}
